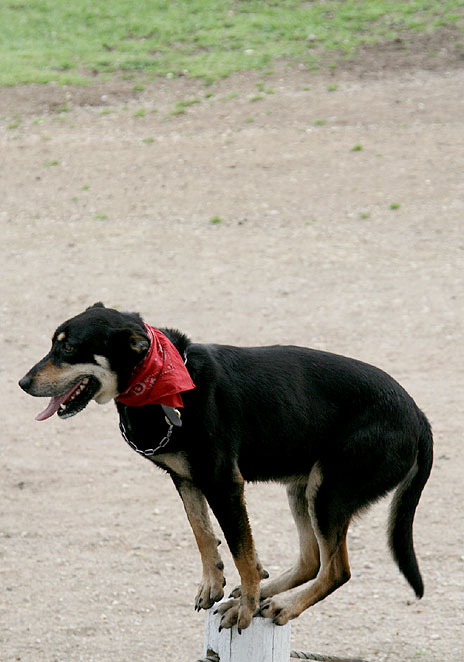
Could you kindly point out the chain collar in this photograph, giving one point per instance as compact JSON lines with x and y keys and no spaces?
{"x":149,"y":452}
{"x":172,"y":418}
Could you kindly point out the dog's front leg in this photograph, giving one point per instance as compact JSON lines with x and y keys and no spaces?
{"x":211,"y":588}
{"x":226,"y":498}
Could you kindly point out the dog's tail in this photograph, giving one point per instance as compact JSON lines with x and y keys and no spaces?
{"x":404,"y":506}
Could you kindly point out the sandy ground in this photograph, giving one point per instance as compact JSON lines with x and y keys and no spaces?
{"x":110,"y":198}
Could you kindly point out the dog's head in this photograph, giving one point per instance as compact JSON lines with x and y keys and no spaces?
{"x":92,"y":357}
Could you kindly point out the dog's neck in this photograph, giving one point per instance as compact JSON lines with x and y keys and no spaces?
{"x":180,"y":341}
{"x":160,"y":377}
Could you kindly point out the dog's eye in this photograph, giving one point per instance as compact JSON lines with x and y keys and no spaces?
{"x":67,"y":348}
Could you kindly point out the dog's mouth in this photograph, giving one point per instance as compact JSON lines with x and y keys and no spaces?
{"x":73,"y":400}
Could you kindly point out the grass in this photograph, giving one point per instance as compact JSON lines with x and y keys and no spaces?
{"x":75,"y":42}
{"x":262,"y":87}
{"x":181,"y":106}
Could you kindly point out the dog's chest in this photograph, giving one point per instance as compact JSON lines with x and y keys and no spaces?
{"x":175,"y":463}
{"x":152,"y":437}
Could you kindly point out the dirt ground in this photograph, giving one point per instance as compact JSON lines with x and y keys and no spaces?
{"x":106,"y":194}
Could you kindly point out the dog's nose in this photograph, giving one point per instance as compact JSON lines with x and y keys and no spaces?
{"x":25,"y":383}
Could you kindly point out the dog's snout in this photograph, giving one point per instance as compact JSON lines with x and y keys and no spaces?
{"x":25,"y":383}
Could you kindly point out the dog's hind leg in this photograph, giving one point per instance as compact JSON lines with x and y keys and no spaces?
{"x":307,"y":564}
{"x":211,"y":588}
{"x":330,"y":522}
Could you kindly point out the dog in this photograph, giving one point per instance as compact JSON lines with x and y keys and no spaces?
{"x":337,"y":432}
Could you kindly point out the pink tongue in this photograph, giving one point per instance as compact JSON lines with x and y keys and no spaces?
{"x":55,"y":403}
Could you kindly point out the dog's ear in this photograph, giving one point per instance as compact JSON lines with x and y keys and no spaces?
{"x":139,"y":343}
{"x":98,"y":304}
{"x":130,"y":338}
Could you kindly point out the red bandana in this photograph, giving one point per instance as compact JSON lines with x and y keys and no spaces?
{"x":161,"y":376}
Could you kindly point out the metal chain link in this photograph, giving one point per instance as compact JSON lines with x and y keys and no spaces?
{"x":149,"y":452}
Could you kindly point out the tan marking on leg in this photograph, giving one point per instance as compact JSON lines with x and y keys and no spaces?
{"x":334,"y":572}
{"x":334,"y":566}
{"x":211,"y":588}
{"x":247,"y":564}
{"x":241,"y":611}
{"x":307,"y":564}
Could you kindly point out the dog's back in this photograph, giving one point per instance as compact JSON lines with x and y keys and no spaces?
{"x":279,"y":409}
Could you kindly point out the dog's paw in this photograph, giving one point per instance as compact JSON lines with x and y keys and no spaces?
{"x":279,"y":610}
{"x":210,"y":590}
{"x":236,"y":593}
{"x":234,"y":613}
{"x":263,"y":574}
{"x":225,"y":606}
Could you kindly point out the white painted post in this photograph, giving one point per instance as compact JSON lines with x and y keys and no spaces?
{"x":262,"y":641}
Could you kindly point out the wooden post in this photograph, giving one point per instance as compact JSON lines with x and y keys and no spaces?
{"x":262,"y":641}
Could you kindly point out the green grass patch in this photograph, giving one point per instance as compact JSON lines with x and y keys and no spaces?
{"x":262,"y":87}
{"x":181,"y":106}
{"x":231,"y":96}
{"x":188,"y":102}
{"x":74,"y":42}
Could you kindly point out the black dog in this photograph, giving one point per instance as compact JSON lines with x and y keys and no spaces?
{"x":337,"y":432}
